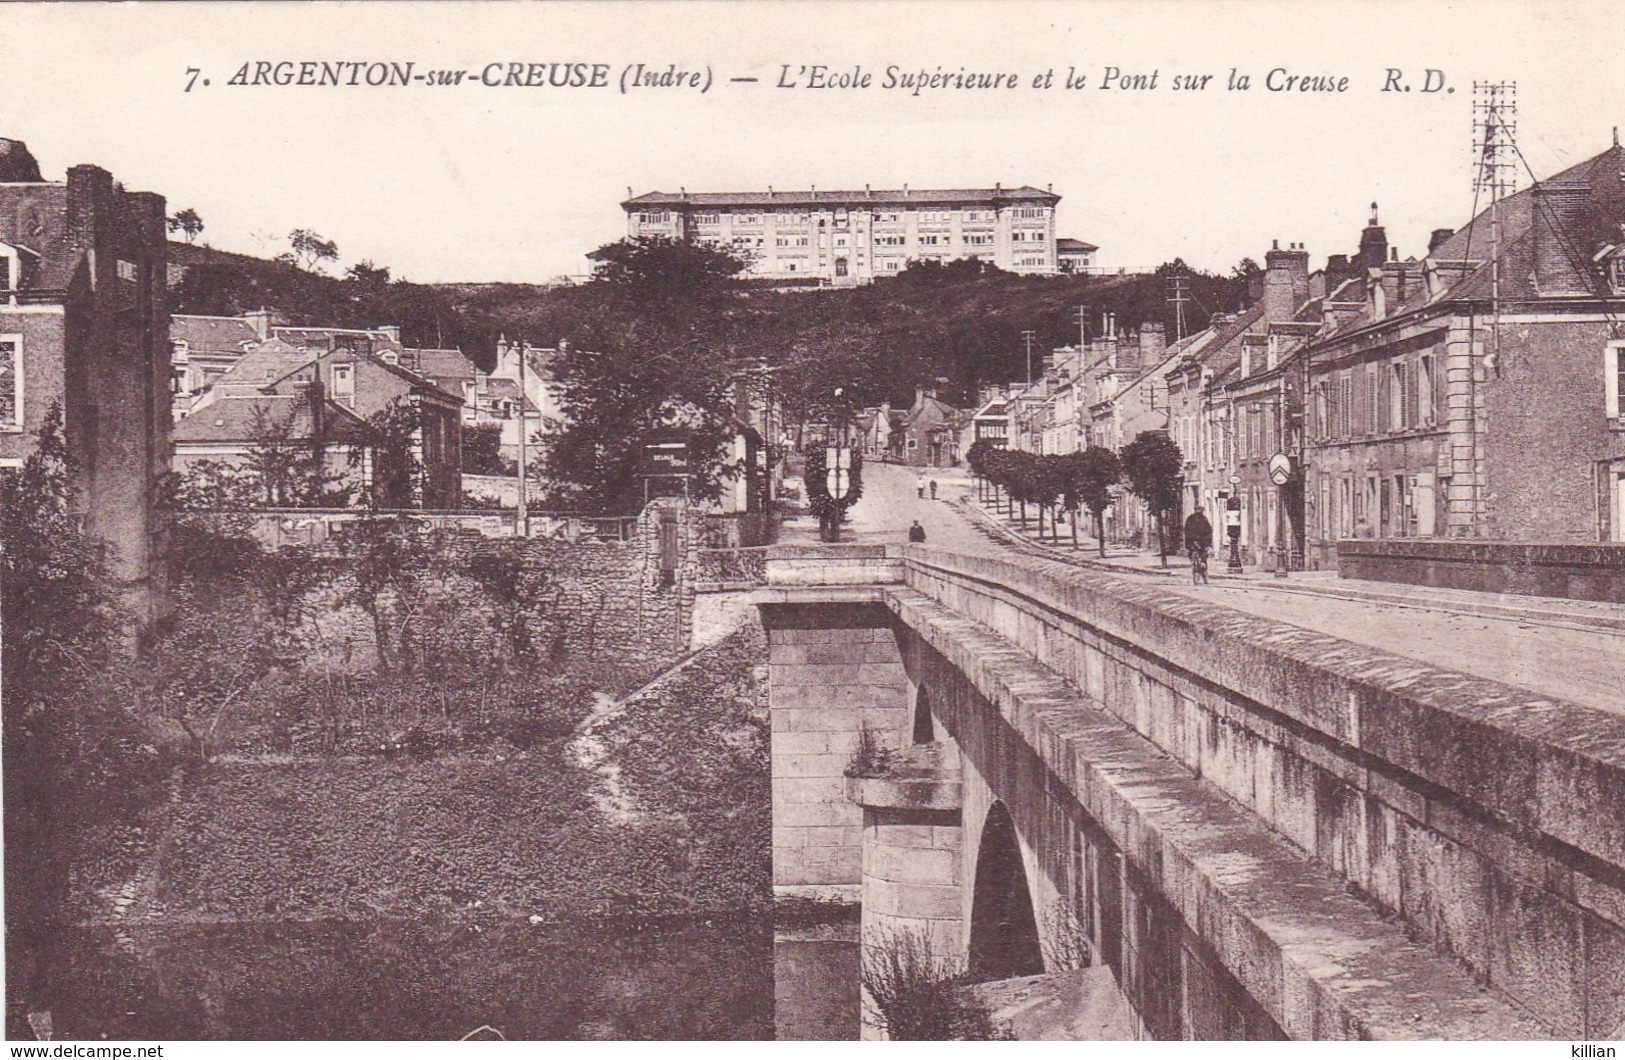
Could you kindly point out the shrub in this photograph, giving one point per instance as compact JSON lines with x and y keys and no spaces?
{"x":870,"y":757}
{"x":915,"y":995}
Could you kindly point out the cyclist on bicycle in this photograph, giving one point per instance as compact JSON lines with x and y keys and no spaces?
{"x":1198,"y":543}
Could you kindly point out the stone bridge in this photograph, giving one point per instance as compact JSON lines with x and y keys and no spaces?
{"x":1263,"y":832}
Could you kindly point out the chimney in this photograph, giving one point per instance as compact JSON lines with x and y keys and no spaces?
{"x":318,"y":412}
{"x":1153,"y":341}
{"x":1397,"y":280}
{"x":1286,"y":282}
{"x":1128,"y":352}
{"x":1560,"y":209}
{"x":815,"y":191}
{"x":1373,"y":243}
{"x":1338,"y":271}
{"x":1438,"y":238}
{"x":260,"y":321}
{"x":905,"y":191}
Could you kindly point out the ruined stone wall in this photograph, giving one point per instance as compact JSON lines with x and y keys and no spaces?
{"x":591,"y":597}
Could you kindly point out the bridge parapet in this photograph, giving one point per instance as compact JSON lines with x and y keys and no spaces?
{"x":1491,"y":820}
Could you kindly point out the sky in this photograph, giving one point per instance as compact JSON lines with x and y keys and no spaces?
{"x":476,"y":183}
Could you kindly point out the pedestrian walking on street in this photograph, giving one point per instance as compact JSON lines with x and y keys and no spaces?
{"x":1198,"y":543}
{"x":916,"y":534}
{"x":933,"y":489}
{"x":919,"y":487}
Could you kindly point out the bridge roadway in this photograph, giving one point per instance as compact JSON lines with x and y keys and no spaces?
{"x":1262,"y":828}
{"x":1552,"y":648}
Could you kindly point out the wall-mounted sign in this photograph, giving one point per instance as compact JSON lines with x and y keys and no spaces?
{"x":1280,"y":469}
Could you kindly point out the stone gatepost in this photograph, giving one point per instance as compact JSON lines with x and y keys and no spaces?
{"x":913,"y":898}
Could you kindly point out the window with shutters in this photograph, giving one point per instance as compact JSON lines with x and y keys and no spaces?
{"x":1614,"y":380}
{"x":1396,"y":396}
{"x":1426,"y":404}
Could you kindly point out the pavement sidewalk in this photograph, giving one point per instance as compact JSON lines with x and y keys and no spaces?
{"x":1577,"y":613}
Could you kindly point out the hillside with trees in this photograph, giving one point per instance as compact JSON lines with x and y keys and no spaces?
{"x":957,"y":325}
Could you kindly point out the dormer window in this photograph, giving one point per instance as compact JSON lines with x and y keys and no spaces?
{"x":13,"y":260}
{"x":344,"y":385}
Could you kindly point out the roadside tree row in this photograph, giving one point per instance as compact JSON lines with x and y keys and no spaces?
{"x":1149,"y":467}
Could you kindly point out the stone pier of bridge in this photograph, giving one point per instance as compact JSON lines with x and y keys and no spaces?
{"x":1260,"y":831}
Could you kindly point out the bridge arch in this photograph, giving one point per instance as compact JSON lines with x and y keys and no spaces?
{"x":1003,"y":930}
{"x":924,"y":730}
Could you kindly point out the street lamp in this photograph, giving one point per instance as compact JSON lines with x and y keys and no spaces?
{"x":1232,"y":524}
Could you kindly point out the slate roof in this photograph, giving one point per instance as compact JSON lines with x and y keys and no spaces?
{"x":1073,"y":246}
{"x":240,"y":418}
{"x":507,"y":388}
{"x":322,"y":337}
{"x":810,"y":198}
{"x":263,"y":366}
{"x":212,"y":335}
{"x":1598,"y":222}
{"x":439,"y":365}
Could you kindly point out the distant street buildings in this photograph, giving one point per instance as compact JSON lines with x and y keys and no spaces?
{"x":852,"y":237}
{"x":319,"y":387}
{"x":1471,"y":393}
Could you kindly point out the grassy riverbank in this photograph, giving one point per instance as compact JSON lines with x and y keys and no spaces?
{"x":669,"y":814}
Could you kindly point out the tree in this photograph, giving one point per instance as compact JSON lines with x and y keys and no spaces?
{"x":366,"y":274}
{"x":1245,"y":269}
{"x":74,"y":755}
{"x":187,"y":222}
{"x":1153,"y":466}
{"x":976,"y":458}
{"x":385,"y":560}
{"x":653,"y":351}
{"x":1091,"y":476}
{"x":308,"y":250}
{"x":830,"y":511}
{"x":397,"y":473}
{"x":482,"y":450}
{"x":292,"y":472}
{"x":1047,"y":484}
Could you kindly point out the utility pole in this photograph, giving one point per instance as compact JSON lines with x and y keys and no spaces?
{"x":1083,"y":327}
{"x":522,"y":522}
{"x":1495,"y":107}
{"x":1027,"y":336}
{"x":1495,"y":110}
{"x":1179,"y":294}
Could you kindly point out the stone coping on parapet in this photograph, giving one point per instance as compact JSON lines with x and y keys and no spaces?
{"x":1543,"y":764}
{"x":1323,"y":963}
